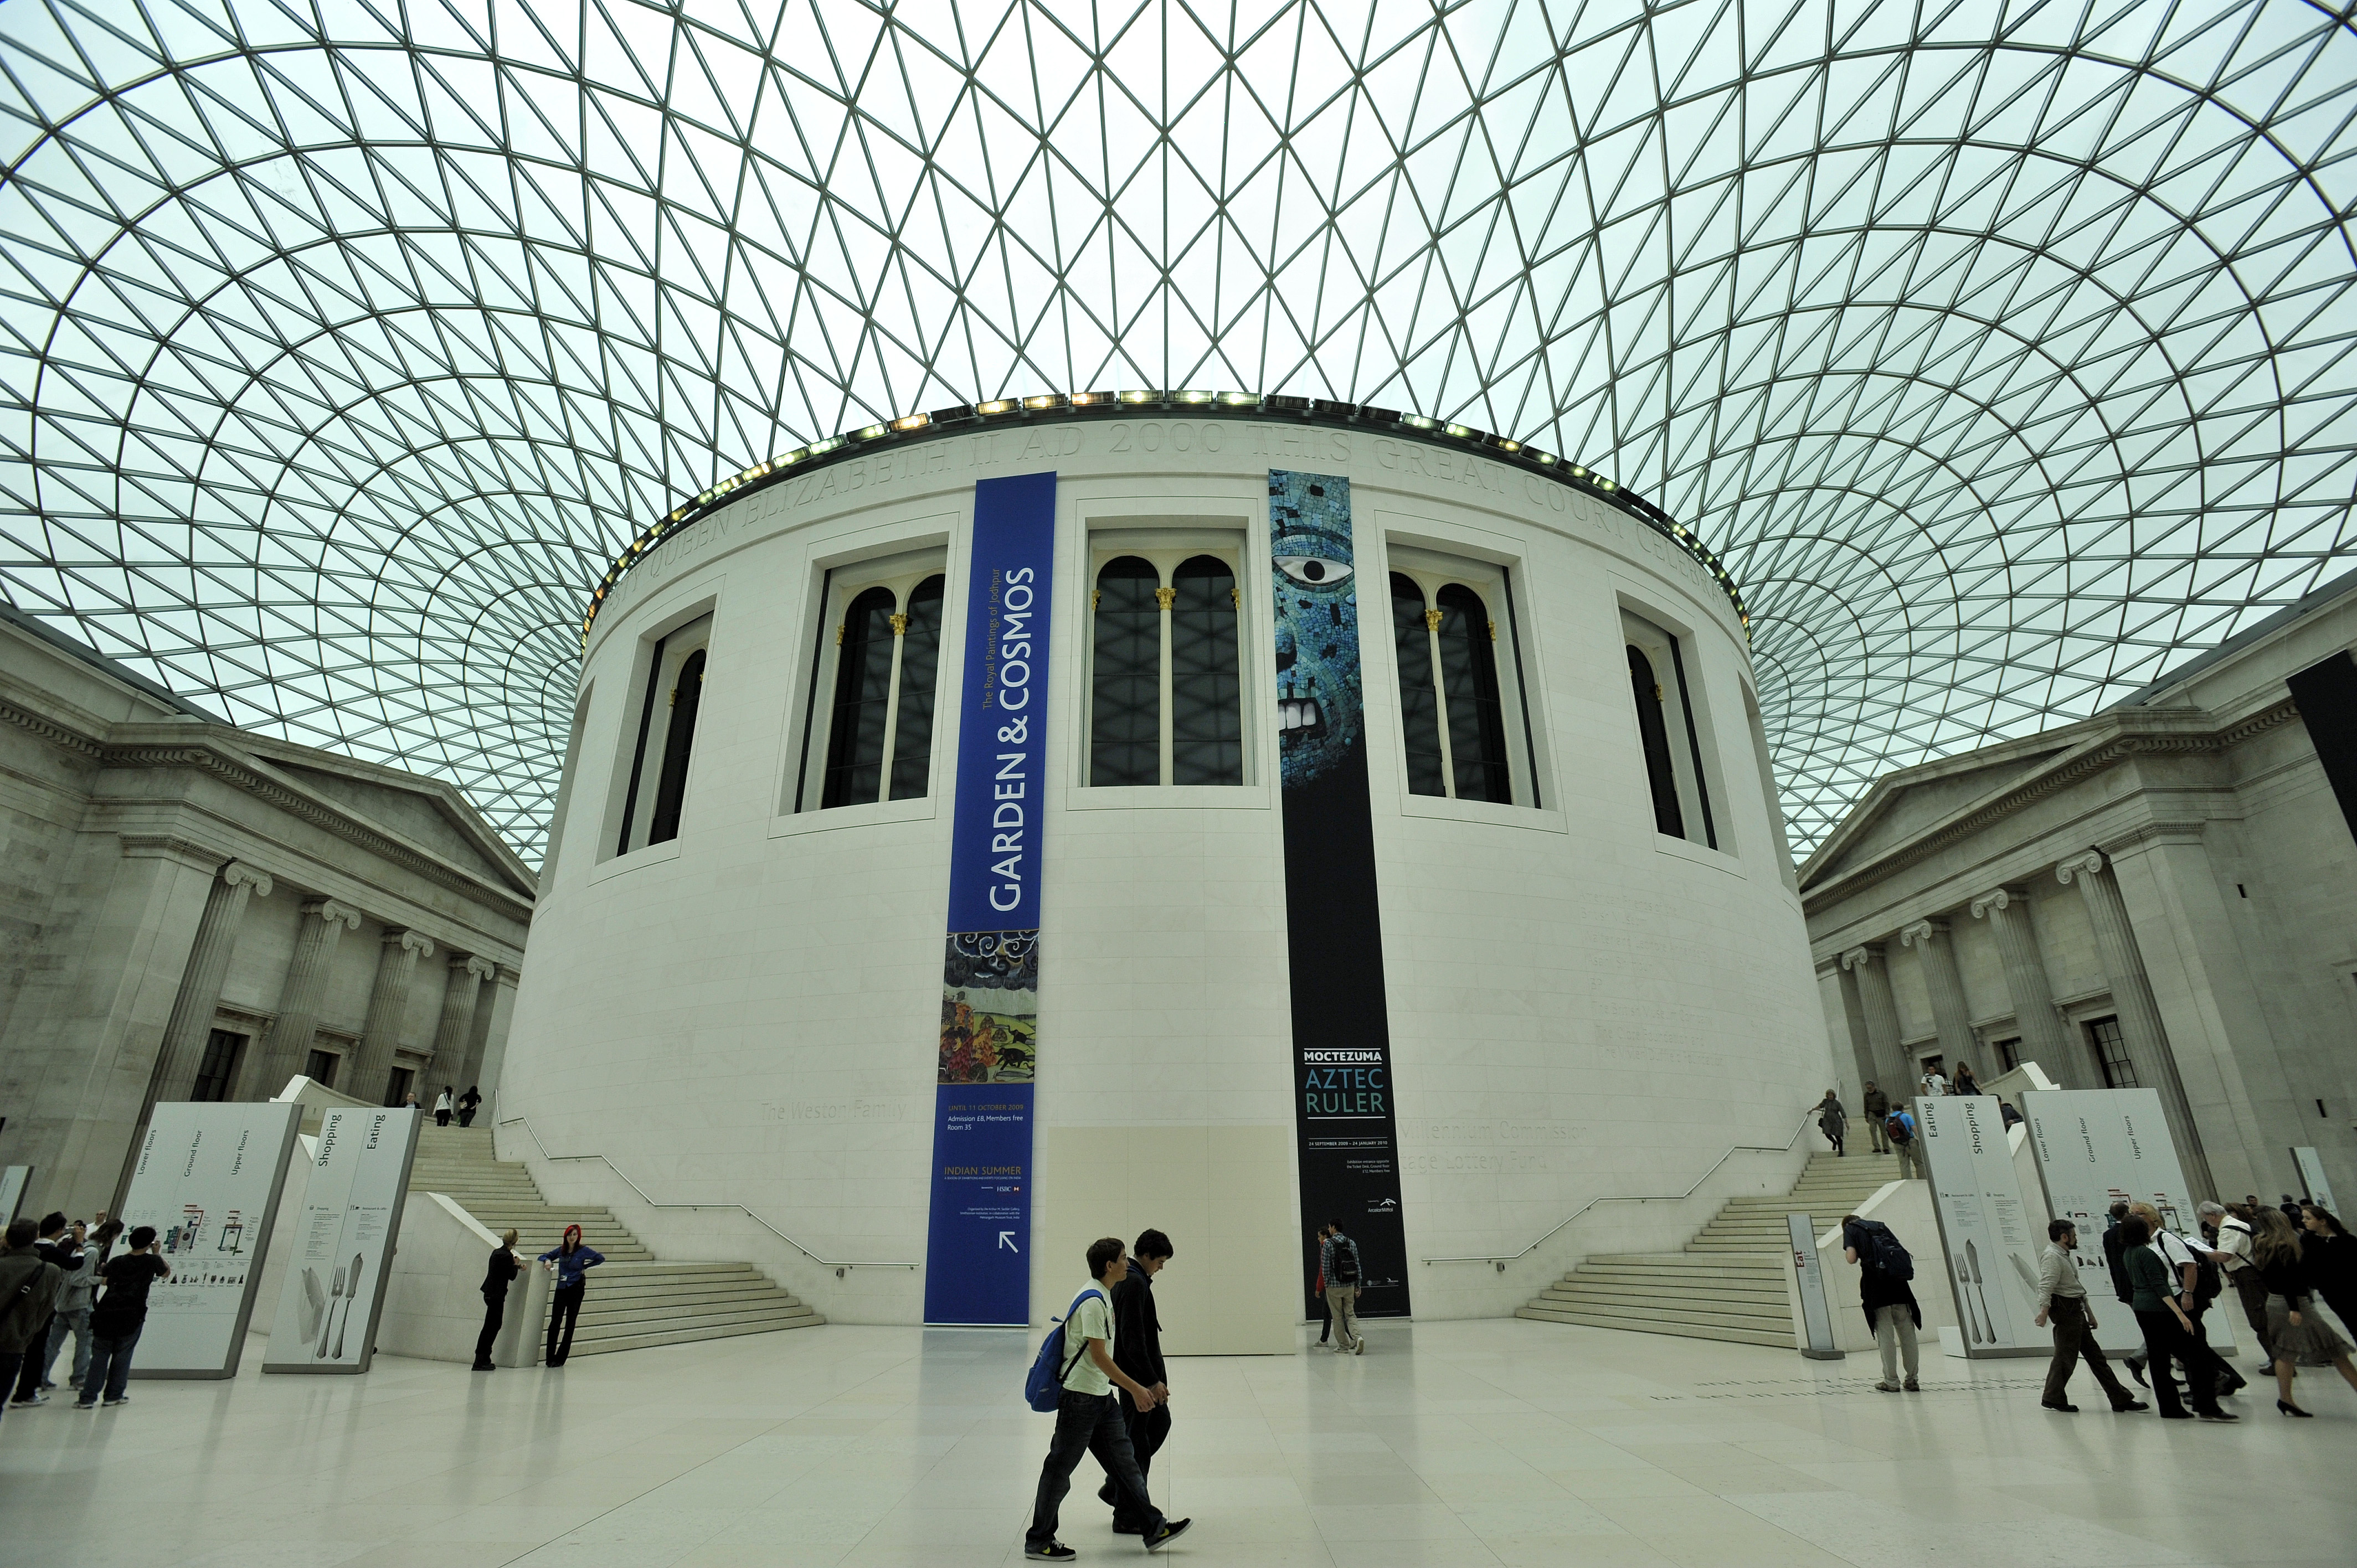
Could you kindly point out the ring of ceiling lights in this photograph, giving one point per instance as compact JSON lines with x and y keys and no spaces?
{"x":1063,"y":406}
{"x":2005,"y":353}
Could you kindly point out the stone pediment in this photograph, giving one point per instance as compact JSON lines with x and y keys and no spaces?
{"x":1903,"y":804}
{"x":412,"y":810}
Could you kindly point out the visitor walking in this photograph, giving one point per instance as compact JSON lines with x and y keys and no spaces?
{"x":2297,"y":1333}
{"x":1884,"y":1268}
{"x":1089,"y":1419}
{"x":1338,"y":1264}
{"x":2234,"y":1253}
{"x":2331,"y":1254}
{"x":2196,"y":1269}
{"x":505,"y":1267}
{"x":2063,"y":1299}
{"x":28,"y":1283}
{"x":1934,"y":1082}
{"x":75,"y":1298}
{"x":568,"y":1261}
{"x":1325,"y":1309}
{"x":1876,"y":1106}
{"x":2167,"y":1331}
{"x":1137,"y":1350}
{"x":116,"y":1320}
{"x":469,"y":1103}
{"x":443,"y":1105}
{"x":1900,"y":1128}
{"x":54,"y":1241}
{"x":1964,"y":1082}
{"x":1831,"y":1120}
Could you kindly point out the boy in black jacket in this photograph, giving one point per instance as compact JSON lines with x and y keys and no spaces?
{"x":1137,"y":1350}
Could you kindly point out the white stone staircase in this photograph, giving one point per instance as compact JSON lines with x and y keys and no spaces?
{"x":1728,"y":1283}
{"x":633,"y":1301}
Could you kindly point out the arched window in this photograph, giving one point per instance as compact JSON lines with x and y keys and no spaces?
{"x":1452,"y":721}
{"x":1419,"y":693}
{"x":1654,"y":734}
{"x":1126,"y":675}
{"x":1468,"y":684}
{"x":920,"y":662}
{"x":863,"y":699}
{"x":678,"y":738}
{"x":1207,"y":732}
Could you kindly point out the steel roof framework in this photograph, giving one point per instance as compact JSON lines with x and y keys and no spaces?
{"x":2002,"y":352}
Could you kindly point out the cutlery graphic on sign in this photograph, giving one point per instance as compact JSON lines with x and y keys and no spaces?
{"x":351,"y":1290}
{"x":1980,"y":1287}
{"x":327,"y":1318}
{"x":1965,"y":1303}
{"x":315,"y":1302}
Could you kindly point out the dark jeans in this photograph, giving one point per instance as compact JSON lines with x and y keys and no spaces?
{"x":466,"y":1118}
{"x":1087,"y":1423}
{"x":2164,"y":1339}
{"x":1147,"y":1432}
{"x":441,"y":1118}
{"x":33,"y":1363}
{"x":495,"y":1312}
{"x":110,"y":1364}
{"x":8,"y":1363}
{"x":2072,"y":1344}
{"x":564,"y":1307}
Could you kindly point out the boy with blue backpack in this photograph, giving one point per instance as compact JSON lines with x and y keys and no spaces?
{"x":1075,"y":1375}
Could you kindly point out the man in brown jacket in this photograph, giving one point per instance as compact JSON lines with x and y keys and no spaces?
{"x":28,"y":1293}
{"x":1877,"y":1106}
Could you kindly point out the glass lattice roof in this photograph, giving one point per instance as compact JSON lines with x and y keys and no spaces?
{"x":2003,"y":351}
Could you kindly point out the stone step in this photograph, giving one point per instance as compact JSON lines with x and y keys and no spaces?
{"x":1655,"y":1287}
{"x":1646,"y":1326}
{"x":650,"y":1338}
{"x":1777,"y":1323}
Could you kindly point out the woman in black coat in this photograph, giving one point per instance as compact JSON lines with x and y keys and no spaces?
{"x":505,"y":1267}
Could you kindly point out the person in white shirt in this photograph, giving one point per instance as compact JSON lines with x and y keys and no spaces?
{"x":442,"y":1105}
{"x":1933,"y":1083}
{"x":1089,"y":1419}
{"x":2233,"y":1255}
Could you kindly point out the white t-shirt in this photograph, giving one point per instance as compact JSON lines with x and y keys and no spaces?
{"x":2173,"y":1251}
{"x":1093,"y":1319}
{"x":442,"y":1100}
{"x":2235,"y":1240}
{"x":1935,"y":1084}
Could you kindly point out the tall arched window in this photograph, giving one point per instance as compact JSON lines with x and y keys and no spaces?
{"x":862,"y":698}
{"x":1653,"y":733}
{"x":1468,"y":684}
{"x":1126,"y":675}
{"x":920,"y":662}
{"x":1427,"y":773}
{"x":1207,"y":730}
{"x":1452,"y":718}
{"x":678,"y":738}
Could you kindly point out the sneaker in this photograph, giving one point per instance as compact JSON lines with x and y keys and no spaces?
{"x":85,"y":1404}
{"x":1360,"y":1348}
{"x":1911,"y":1386}
{"x":47,"y":1385}
{"x":28,"y":1401}
{"x":1886,"y":1387}
{"x":1054,"y":1551}
{"x":1172,"y":1529}
{"x":119,"y":1399}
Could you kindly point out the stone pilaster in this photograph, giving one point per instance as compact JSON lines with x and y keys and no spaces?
{"x":325,"y":922}
{"x":2043,"y":1041}
{"x":2139,"y":1015}
{"x":1881,"y":1010}
{"x":461,"y":986}
{"x":1950,"y":1014}
{"x":495,"y":1040}
{"x":184,"y":1033}
{"x":396,"y":965}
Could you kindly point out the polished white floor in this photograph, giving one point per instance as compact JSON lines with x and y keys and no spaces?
{"x":1495,"y":1441}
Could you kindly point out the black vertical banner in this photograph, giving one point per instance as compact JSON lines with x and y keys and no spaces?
{"x":1349,"y":1144}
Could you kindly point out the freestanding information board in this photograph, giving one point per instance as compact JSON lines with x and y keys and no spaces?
{"x":1987,"y":1237}
{"x":207,"y":1179}
{"x":343,"y":1241}
{"x":2096,"y":1147}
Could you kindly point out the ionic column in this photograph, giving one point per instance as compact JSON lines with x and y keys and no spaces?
{"x":1950,"y":1014}
{"x":1881,"y":1017}
{"x":463,"y":985}
{"x":184,"y":1033}
{"x":396,"y":965}
{"x":2140,"y":1024}
{"x":324,"y":924}
{"x":2042,"y":1040}
{"x":495,"y":1037}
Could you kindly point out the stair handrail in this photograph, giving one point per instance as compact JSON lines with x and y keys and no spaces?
{"x":1501,"y":1259}
{"x":525,"y":1122}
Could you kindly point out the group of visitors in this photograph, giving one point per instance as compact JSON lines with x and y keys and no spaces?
{"x":570,"y":1262}
{"x":1890,"y":1126}
{"x":463,"y":1106}
{"x":62,"y":1277}
{"x":2279,"y":1271}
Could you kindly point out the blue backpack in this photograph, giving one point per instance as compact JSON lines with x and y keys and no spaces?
{"x":1043,"y":1386}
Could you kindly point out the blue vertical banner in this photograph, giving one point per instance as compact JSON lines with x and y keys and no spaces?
{"x":977,"y":1245}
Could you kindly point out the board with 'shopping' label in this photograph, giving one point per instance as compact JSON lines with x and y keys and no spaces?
{"x":343,"y":1241}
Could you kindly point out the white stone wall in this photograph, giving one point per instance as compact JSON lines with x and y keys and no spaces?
{"x":1578,"y":1006}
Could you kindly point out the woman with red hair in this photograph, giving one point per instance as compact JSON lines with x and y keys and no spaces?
{"x":568,"y":1262}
